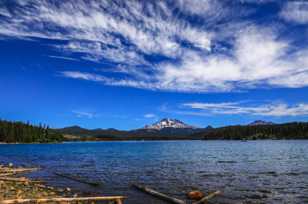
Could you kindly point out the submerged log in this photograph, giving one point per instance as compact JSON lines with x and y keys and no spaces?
{"x":75,"y":178}
{"x":206,"y":198}
{"x":158,"y":194}
{"x":117,"y":199}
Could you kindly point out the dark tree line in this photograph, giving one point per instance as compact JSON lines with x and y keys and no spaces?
{"x":18,"y":132}
{"x":280,"y":131}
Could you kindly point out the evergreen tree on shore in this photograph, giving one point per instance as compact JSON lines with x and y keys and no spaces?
{"x":18,"y":132}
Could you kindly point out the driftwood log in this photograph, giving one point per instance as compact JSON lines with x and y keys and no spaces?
{"x":206,"y":198}
{"x":158,"y":194}
{"x":6,"y":174}
{"x":75,"y":178}
{"x":18,"y":180}
{"x":17,"y":170}
{"x":117,"y":199}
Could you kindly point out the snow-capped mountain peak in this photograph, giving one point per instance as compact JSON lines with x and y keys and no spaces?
{"x":168,"y":123}
{"x":260,"y":122}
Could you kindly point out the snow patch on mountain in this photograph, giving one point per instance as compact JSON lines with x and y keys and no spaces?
{"x":168,"y":123}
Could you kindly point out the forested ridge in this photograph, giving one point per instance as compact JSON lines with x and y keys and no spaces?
{"x":19,"y":132}
{"x":295,"y":130}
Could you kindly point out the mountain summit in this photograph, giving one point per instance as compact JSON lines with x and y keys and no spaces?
{"x":260,"y":122}
{"x":168,"y":123}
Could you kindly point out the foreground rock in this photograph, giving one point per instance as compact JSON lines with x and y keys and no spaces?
{"x":195,"y":195}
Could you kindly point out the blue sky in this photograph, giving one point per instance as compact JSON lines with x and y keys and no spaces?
{"x":124,"y":64}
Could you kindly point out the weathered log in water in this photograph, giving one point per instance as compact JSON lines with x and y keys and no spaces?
{"x":22,"y":179}
{"x":6,"y":174}
{"x":158,"y":194}
{"x":75,"y":178}
{"x":16,"y":170}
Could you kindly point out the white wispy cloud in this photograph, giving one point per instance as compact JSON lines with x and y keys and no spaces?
{"x":295,"y":11}
{"x":191,"y":57}
{"x":271,"y":109}
{"x":105,"y":80}
{"x":198,"y":7}
{"x":150,"y":115}
{"x":63,"y":58}
{"x":84,"y":114}
{"x":4,"y":12}
{"x":84,"y":76}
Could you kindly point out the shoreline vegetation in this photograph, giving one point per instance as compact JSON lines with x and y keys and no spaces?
{"x":15,"y":188}
{"x":20,"y":133}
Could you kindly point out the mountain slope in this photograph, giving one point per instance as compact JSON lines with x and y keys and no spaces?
{"x":84,"y":133}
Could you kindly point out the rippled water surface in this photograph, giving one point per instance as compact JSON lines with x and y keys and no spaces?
{"x":246,"y":172}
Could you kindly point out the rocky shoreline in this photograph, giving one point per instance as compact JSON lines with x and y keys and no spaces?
{"x":13,"y":185}
{"x":16,"y":188}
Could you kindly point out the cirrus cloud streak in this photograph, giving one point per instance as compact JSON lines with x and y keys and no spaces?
{"x":240,"y":108}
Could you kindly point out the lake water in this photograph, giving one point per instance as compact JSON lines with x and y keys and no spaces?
{"x":246,"y":172}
